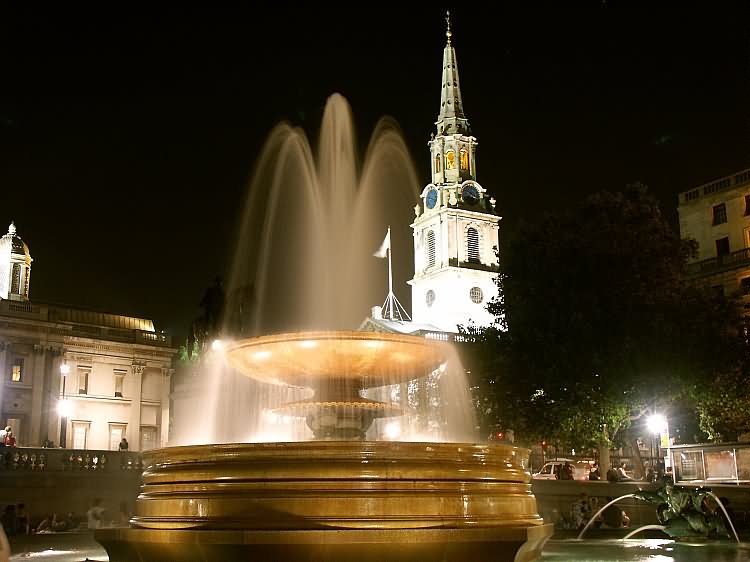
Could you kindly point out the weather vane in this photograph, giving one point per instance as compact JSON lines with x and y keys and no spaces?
{"x":448,"y":23}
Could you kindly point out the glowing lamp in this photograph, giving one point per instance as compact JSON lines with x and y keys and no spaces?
{"x":64,"y":408}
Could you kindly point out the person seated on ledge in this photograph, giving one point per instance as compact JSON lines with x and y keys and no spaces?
{"x":594,"y":473}
{"x":622,"y":476}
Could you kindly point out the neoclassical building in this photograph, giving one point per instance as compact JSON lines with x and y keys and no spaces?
{"x":717,"y":216}
{"x":74,"y":376}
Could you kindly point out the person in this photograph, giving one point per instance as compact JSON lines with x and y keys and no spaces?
{"x":123,"y":444}
{"x":10,"y":440}
{"x":622,"y":475}
{"x":612,"y":474}
{"x":614,"y":517}
{"x":594,"y":473}
{"x":650,"y":474}
{"x":45,"y":525}
{"x":48,"y":444}
{"x":566,"y":473}
{"x":94,"y":514}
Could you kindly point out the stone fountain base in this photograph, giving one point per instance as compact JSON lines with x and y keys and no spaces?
{"x":499,"y":544}
{"x":332,"y":501}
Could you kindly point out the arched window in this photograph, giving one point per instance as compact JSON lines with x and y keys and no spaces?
{"x":450,"y":160}
{"x":464,"y":159}
{"x":437,"y":163}
{"x":472,"y":244}
{"x":430,"y":248}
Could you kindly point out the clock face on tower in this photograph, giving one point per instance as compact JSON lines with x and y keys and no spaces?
{"x":431,"y":198}
{"x":470,"y":195}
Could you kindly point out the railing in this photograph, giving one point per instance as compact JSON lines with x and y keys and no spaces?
{"x":454,"y":262}
{"x":68,"y":460}
{"x":715,"y":186}
{"x":727,"y":261}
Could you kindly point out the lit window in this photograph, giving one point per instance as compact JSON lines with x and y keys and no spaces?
{"x":16,"y":371}
{"x":720,"y":214}
{"x":80,"y":434}
{"x":464,"y":159}
{"x":476,"y":295}
{"x":83,"y":381}
{"x":116,"y":433}
{"x":430,"y":248}
{"x":472,"y":245}
{"x":119,"y":380}
{"x":148,"y":438}
{"x":450,"y":160}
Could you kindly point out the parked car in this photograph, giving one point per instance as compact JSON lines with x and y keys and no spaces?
{"x":551,"y":469}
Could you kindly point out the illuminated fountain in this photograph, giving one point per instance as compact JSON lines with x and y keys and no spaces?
{"x":336,"y":498}
{"x":339,"y":488}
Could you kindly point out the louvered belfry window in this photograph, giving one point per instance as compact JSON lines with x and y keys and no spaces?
{"x":472,"y":245}
{"x":430,"y":248}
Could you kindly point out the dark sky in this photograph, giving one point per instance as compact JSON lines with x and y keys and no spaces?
{"x":127,"y":140}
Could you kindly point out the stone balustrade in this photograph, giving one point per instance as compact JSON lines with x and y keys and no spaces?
{"x":61,"y":460}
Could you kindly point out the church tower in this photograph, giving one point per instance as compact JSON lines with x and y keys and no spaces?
{"x":15,"y":267}
{"x":456,"y":226}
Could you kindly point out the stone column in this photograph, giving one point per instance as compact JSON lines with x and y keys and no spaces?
{"x":52,"y":395}
{"x":37,"y":393}
{"x":164,"y":405}
{"x":3,"y":377}
{"x":134,"y":419}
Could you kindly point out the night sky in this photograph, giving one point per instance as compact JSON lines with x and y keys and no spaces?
{"x":127,"y":140}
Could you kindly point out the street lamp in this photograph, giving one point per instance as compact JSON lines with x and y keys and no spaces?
{"x":658,"y":424}
{"x":64,"y":406}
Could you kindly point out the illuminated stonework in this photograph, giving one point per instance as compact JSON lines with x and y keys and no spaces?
{"x":456,"y":227}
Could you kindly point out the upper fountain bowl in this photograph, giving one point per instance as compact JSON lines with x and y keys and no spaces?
{"x":366,"y":358}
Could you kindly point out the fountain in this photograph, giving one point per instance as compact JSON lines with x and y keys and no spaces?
{"x":336,"y":490}
{"x":337,"y":497}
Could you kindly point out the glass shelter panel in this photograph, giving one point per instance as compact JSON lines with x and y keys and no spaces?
{"x":688,"y":465}
{"x":720,"y":465}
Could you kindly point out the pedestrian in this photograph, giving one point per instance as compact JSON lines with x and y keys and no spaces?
{"x":94,"y":514}
{"x":123,"y":444}
{"x":10,"y":440}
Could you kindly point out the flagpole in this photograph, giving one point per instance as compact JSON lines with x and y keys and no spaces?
{"x":390,"y":272}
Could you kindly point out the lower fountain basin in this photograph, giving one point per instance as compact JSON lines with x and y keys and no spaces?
{"x":289,"y":501}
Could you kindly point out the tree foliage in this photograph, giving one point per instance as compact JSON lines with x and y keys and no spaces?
{"x":597,"y":326}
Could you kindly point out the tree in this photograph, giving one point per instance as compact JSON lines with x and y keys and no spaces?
{"x":600,"y":328}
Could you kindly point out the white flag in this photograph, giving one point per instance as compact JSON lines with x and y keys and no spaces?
{"x":385,"y":246}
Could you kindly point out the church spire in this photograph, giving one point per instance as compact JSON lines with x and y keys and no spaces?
{"x":451,"y":119}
